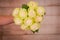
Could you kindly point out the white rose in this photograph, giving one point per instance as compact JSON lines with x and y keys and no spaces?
{"x":32,"y":4}
{"x":38,"y":18}
{"x":28,"y":21}
{"x":23,"y":13}
{"x":31,"y":13}
{"x":40,"y":11}
{"x":34,"y":27}
{"x":24,"y":27}
{"x":18,"y":21}
{"x":15,"y":12}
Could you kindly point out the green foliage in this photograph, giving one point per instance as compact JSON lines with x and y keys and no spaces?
{"x":35,"y":31}
{"x":25,"y":6}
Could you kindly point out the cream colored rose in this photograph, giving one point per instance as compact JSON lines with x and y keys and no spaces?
{"x":15,"y":12}
{"x":35,"y":27}
{"x":28,"y":21}
{"x":32,"y":4}
{"x":23,"y":13}
{"x":39,"y":19}
{"x":24,"y":27}
{"x":40,"y":11}
{"x":18,"y":21}
{"x":31,"y":13}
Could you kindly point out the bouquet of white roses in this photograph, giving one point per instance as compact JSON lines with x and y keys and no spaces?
{"x":29,"y":16}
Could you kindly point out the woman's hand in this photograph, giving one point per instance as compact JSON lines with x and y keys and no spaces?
{"x":6,"y":20}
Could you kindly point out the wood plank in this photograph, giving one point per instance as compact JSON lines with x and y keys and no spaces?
{"x":6,"y":11}
{"x":13,"y":29}
{"x":32,"y":37}
{"x":51,"y":20}
{"x":53,"y":11}
{"x":1,"y":32}
{"x":18,"y":3}
{"x":50,"y":11}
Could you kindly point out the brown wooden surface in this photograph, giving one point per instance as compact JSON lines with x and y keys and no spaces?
{"x":50,"y":27}
{"x":18,"y":3}
{"x":32,"y":37}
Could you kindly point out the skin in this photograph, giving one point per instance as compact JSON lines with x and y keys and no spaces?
{"x":6,"y":20}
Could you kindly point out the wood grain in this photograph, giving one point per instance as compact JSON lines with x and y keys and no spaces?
{"x":1,"y":32}
{"x":32,"y":37}
{"x":18,"y":3}
{"x":44,"y":29}
{"x":50,"y":27}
